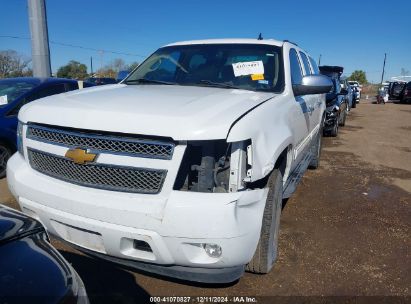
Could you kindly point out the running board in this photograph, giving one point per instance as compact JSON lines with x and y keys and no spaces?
{"x":296,"y":176}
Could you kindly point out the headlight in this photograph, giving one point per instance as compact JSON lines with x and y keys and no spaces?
{"x":20,"y":138}
{"x":214,"y":166}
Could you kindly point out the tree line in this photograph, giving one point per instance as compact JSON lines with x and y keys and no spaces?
{"x":76,"y":70}
{"x":13,"y":64}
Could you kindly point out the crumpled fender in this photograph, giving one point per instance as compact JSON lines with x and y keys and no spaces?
{"x":268,"y":128}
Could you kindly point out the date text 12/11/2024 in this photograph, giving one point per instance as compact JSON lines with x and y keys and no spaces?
{"x":203,"y":299}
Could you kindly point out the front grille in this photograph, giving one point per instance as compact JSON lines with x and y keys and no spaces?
{"x":115,"y":178}
{"x":102,"y":143}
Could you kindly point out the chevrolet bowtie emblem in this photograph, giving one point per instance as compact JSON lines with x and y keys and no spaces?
{"x":80,"y":156}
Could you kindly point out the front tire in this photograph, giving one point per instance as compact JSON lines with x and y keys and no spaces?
{"x":5,"y":154}
{"x":315,"y":162}
{"x":267,"y":248}
{"x":334,"y":130}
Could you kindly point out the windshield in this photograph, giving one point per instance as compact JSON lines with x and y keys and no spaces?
{"x":10,"y":91}
{"x":243,"y":66}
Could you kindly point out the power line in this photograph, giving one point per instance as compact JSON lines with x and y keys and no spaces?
{"x":78,"y":46}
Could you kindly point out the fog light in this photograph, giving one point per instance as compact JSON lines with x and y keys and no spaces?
{"x":213,"y":250}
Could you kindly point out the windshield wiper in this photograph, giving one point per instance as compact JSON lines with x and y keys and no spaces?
{"x":217,"y":84}
{"x":145,"y":80}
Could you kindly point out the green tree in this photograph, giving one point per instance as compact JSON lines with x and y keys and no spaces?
{"x":359,"y":76}
{"x":73,"y":69}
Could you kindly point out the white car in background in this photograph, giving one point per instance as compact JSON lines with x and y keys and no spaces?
{"x":358,"y":88}
{"x":181,"y":169}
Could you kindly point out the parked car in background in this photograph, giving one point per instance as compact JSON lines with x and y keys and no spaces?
{"x":101,"y":80}
{"x":187,"y":161}
{"x":336,"y":102}
{"x":31,"y":269}
{"x":357,"y":95}
{"x":382,"y":96}
{"x":16,"y":92}
{"x":406,"y":96}
{"x":350,"y":97}
{"x":121,"y":75}
{"x":358,"y":88}
{"x":396,"y":89}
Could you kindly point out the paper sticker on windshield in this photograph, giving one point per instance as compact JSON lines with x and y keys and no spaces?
{"x":257,"y":76}
{"x":248,"y":68}
{"x":3,"y":100}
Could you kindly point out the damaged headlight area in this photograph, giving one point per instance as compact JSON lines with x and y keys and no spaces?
{"x":215,"y":166}
{"x":20,"y":126}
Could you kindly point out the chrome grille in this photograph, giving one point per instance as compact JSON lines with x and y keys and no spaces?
{"x":102,"y":143}
{"x":108,"y":177}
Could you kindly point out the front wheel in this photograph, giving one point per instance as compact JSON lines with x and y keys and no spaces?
{"x":334,"y":130}
{"x":267,"y":248}
{"x":5,"y":154}
{"x":316,"y":150}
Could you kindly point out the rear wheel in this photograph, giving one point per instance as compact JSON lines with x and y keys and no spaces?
{"x":267,"y":248}
{"x":5,"y":154}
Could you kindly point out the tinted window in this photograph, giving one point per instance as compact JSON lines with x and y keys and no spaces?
{"x":295,"y":68}
{"x":314,"y":66}
{"x":70,"y":86}
{"x":10,"y":91}
{"x":44,"y":92}
{"x":306,"y":63}
{"x":17,"y":108}
{"x":51,"y":90}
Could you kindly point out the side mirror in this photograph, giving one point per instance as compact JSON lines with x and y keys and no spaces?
{"x":313,"y":84}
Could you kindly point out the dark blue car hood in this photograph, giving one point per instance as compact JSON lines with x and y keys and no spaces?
{"x":14,"y":225}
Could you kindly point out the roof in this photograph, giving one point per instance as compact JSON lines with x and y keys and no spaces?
{"x":39,"y":80}
{"x":230,"y":41}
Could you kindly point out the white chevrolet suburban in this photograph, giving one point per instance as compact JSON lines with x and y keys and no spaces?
{"x":181,"y":169}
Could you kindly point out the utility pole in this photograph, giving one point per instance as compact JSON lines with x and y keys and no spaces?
{"x":91,"y":66}
{"x":383,"y":68}
{"x":40,"y":52}
{"x":101,"y":53}
{"x":319,"y":60}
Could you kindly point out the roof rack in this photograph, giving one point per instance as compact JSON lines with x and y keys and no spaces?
{"x":330,"y":69}
{"x":290,"y":42}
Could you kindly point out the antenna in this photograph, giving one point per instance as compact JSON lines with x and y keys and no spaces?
{"x":260,"y":37}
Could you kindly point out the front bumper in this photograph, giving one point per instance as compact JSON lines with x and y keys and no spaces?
{"x":108,"y":223}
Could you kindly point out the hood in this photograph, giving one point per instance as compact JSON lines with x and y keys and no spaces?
{"x":14,"y":225}
{"x":179,"y":112}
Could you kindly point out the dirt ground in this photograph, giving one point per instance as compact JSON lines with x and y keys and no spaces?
{"x":345,"y":232}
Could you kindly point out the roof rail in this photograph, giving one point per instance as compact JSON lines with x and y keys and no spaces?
{"x":290,"y":42}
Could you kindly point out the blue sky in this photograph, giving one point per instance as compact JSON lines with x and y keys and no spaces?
{"x":354,"y":34}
